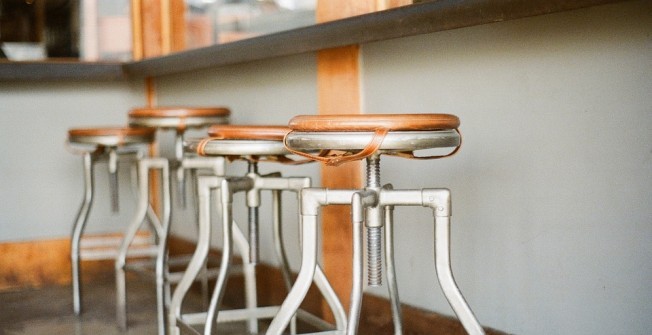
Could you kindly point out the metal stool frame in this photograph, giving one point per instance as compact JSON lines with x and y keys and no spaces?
{"x":95,"y":149}
{"x":253,"y":183}
{"x":373,"y":206}
{"x":170,"y":119}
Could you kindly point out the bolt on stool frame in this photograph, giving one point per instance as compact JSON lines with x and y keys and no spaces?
{"x":178,"y":119}
{"x":95,"y":145}
{"x":344,"y":138}
{"x":252,"y":144}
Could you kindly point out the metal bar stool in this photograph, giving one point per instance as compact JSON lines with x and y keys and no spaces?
{"x":178,"y":119}
{"x":252,"y":144}
{"x":95,"y":145}
{"x":345,"y":138}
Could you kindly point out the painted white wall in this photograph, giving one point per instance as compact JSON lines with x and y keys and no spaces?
{"x":41,"y":184}
{"x":552,"y":190}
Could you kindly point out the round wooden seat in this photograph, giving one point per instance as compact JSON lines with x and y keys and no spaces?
{"x":111,"y":136}
{"x":178,"y":118}
{"x":372,"y":122}
{"x":344,"y":138}
{"x":250,"y":143}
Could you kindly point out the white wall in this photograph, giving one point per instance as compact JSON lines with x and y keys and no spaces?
{"x":41,"y":183}
{"x":552,"y":190}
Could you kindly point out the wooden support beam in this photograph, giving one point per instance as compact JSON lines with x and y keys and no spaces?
{"x":338,"y":84}
{"x":158,"y":28}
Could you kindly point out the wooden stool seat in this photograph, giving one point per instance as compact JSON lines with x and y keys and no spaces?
{"x":178,"y":118}
{"x":239,"y":142}
{"x":372,"y":122}
{"x":345,"y":138}
{"x":111,"y":136}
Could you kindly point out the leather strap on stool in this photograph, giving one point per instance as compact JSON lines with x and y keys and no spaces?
{"x":380,"y":124}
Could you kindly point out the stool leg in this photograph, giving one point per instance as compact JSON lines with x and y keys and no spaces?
{"x":204,"y":185}
{"x":304,"y":280}
{"x":144,"y":165}
{"x":357,"y":214}
{"x":249,"y":271}
{"x":78,"y":228}
{"x":132,"y":229}
{"x":446,"y":280}
{"x":227,"y":252}
{"x":162,"y":285}
{"x":391,"y":271}
{"x":279,"y":247}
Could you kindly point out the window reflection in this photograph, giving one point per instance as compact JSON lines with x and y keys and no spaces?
{"x":100,"y":30}
{"x":221,"y":21}
{"x":91,"y":30}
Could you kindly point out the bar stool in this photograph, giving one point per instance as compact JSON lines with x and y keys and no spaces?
{"x":345,"y":138}
{"x":178,"y":119}
{"x":254,"y":145}
{"x":95,"y":145}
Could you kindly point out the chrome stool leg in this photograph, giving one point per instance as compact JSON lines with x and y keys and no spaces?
{"x":204,"y":185}
{"x":392,"y":285}
{"x":227,"y":250}
{"x":311,"y":200}
{"x":443,"y":263}
{"x":144,"y":166}
{"x":78,"y":228}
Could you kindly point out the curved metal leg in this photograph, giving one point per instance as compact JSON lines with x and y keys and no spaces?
{"x":356,"y":290}
{"x":162,"y":285}
{"x":121,"y":258}
{"x":446,"y":280}
{"x":391,"y":271}
{"x":78,"y":228}
{"x":306,"y":274}
{"x":249,"y":272}
{"x":204,"y":185}
{"x":279,"y":247}
{"x":227,"y":252}
{"x":332,"y":300}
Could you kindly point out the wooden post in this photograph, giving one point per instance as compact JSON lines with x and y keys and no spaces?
{"x":338,"y":84}
{"x":158,"y":28}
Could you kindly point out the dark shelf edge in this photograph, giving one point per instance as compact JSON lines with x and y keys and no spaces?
{"x":405,"y":21}
{"x":57,"y":71}
{"x":422,"y":18}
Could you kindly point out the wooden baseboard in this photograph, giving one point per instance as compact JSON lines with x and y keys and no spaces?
{"x":47,"y":262}
{"x":41,"y":263}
